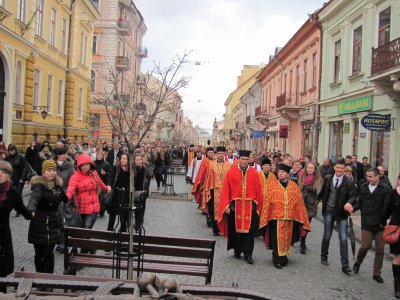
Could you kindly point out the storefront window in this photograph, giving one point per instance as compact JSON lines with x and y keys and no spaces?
{"x":380,"y":145}
{"x":335,"y":140}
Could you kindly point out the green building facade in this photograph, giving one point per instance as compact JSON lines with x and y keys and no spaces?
{"x":360,"y":76}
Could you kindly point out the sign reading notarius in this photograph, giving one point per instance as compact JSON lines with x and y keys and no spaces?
{"x":376,"y":122}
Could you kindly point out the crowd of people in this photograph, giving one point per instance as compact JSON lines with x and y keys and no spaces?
{"x":243,"y":194}
{"x":270,"y":194}
{"x":95,"y":178}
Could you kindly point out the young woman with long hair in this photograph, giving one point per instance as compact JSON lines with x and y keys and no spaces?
{"x":310,"y":184}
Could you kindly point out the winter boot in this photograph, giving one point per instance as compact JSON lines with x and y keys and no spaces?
{"x":39,"y":264}
{"x":396,"y":277}
{"x":49,"y":264}
{"x":303,"y":247}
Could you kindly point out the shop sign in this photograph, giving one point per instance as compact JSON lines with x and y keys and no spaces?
{"x":257,"y":134}
{"x":354,"y":105}
{"x":306,"y":113}
{"x":363,"y":135}
{"x":376,"y":122}
{"x":283,"y":131}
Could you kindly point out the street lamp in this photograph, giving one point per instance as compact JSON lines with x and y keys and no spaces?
{"x":42,"y":109}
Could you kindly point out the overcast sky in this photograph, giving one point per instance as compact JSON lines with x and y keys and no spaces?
{"x":223,"y":35}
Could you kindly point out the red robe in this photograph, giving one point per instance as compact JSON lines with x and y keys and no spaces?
{"x":243,"y":191}
{"x":198,"y":185}
{"x":285,"y":206}
{"x":214,"y":180}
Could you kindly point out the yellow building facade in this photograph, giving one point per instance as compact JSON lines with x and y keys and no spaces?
{"x":234,"y":112}
{"x":45,"y":63}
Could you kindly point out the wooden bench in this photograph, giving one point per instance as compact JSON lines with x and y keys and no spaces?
{"x":171,"y":255}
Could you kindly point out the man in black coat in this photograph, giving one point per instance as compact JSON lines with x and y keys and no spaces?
{"x":338,"y":191}
{"x":326,"y":168}
{"x":20,"y":168}
{"x":373,"y":200}
{"x":358,"y":167}
{"x":105,"y":171}
{"x":115,"y":154}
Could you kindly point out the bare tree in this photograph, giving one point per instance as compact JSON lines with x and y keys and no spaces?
{"x":133,"y":106}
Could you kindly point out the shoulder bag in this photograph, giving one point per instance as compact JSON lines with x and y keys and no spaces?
{"x":391,"y":234}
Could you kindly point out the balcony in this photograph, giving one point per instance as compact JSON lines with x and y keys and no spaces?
{"x":385,"y":69}
{"x":124,"y":27}
{"x":121,"y":63}
{"x":261,"y":116}
{"x":285,"y":108}
{"x":386,"y":57}
{"x":142,"y":52}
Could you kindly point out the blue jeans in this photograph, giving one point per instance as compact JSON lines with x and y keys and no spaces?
{"x":88,"y":220}
{"x":342,"y":227}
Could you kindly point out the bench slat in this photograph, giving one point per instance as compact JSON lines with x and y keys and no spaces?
{"x":148,"y":249}
{"x":147,"y":239}
{"x":110,"y":257}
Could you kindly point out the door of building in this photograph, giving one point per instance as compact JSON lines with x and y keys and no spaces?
{"x":2,"y":96}
{"x":335,"y":140}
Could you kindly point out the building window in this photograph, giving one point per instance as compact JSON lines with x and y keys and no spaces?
{"x":96,"y":3}
{"x":18,"y":78}
{"x":60,"y":97}
{"x":284,"y":83}
{"x":384,"y":27}
{"x":290,"y":83}
{"x":63,"y":35}
{"x":53,"y":16}
{"x":39,"y":18}
{"x":92,"y":81}
{"x":335,"y":140}
{"x":305,"y":75}
{"x":314,"y":70}
{"x":80,"y":104}
{"x":1,"y":2}
{"x":337,"y":61}
{"x":36,"y":88}
{"x":94,"y":46}
{"x":21,"y":10}
{"x":297,"y":83}
{"x":357,"y":50}
{"x":83,"y":49}
{"x":50,"y":93}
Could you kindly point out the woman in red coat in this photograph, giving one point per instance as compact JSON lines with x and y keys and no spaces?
{"x":83,"y":187}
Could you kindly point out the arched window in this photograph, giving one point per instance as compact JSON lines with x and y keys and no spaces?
{"x":18,"y":83}
{"x":92,"y":81}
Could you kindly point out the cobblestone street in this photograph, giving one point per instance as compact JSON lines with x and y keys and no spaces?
{"x":303,"y":278}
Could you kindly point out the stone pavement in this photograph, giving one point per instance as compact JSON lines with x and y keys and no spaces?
{"x":303,"y":278}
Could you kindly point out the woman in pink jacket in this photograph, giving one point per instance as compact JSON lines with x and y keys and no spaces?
{"x":83,"y":187}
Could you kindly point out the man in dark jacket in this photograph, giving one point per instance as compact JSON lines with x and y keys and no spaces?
{"x":114,"y":155}
{"x":20,"y":168}
{"x":336,"y":194}
{"x":105,"y":171}
{"x":373,"y":198}
{"x":358,"y":167}
{"x":326,"y":168}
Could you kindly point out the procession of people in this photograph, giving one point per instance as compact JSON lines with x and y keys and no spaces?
{"x":242,"y":195}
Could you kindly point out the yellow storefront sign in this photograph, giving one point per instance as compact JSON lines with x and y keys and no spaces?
{"x":354,"y":105}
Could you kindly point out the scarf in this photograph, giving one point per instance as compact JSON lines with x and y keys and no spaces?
{"x":4,"y":188}
{"x":309,"y":180}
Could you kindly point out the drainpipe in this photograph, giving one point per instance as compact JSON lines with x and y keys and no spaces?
{"x":317,"y":125}
{"x":66,"y":73}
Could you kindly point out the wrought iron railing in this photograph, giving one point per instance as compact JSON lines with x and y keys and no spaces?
{"x":385,"y":57}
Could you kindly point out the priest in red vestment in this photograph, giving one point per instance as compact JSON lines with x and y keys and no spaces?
{"x":240,"y":207}
{"x":215,"y":177}
{"x":285,"y":216}
{"x":198,"y":186}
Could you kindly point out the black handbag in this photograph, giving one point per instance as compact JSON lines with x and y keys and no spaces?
{"x":71,"y":216}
